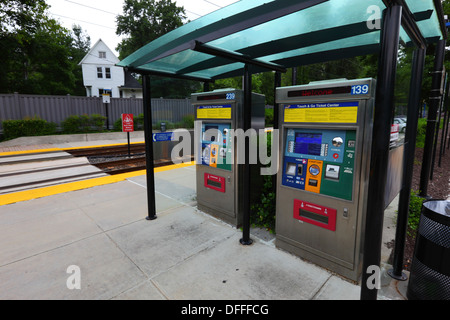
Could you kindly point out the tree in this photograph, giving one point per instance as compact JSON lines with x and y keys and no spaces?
{"x":144,"y":21}
{"x":40,"y":56}
{"x":19,"y":20}
{"x":81,"y":44}
{"x":21,"y":15}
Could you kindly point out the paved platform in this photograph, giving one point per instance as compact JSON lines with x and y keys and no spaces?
{"x":32,"y":171}
{"x":184,"y":254}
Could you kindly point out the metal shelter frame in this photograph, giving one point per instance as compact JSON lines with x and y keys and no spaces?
{"x":195,"y":40}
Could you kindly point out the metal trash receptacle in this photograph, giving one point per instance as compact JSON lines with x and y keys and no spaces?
{"x":430,"y":269}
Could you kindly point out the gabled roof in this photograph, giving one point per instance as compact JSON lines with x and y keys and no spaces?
{"x":100,"y":44}
{"x":131,"y":82}
{"x":284,"y":32}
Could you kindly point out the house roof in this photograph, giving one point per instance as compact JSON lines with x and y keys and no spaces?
{"x":131,"y":82}
{"x":109,"y":53}
{"x":285,"y":33}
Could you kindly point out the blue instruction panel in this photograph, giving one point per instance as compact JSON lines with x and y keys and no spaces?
{"x":315,"y":144}
{"x":161,"y":137}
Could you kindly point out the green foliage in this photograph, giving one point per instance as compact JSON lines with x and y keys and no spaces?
{"x":97,"y":122}
{"x":83,"y":124}
{"x":169,"y":125}
{"x":421,"y":133}
{"x":188,"y":121}
{"x":262,"y":213}
{"x":415,"y":209}
{"x":26,"y":128}
{"x":39,"y":55}
{"x":117,"y":126}
{"x":269,"y":117}
{"x":139,"y":122}
{"x":143,"y":21}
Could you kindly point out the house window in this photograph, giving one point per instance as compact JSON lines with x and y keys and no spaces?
{"x":108,"y":73}
{"x":99,"y":73}
{"x":102,"y":54}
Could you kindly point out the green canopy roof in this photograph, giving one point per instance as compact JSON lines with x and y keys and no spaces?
{"x":289,"y":33}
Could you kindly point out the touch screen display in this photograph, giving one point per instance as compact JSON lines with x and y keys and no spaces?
{"x":308,"y":143}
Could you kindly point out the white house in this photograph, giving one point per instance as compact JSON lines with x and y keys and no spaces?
{"x":101,"y":73}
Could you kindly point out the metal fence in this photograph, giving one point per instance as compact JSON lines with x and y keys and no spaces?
{"x":58,"y":108}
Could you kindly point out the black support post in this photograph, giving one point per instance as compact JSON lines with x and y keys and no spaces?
{"x":380,"y":147}
{"x":276,"y":107}
{"x":436,"y":136}
{"x":294,"y":76}
{"x":435,"y":99}
{"x":246,"y":172}
{"x":444,"y":132}
{"x":276,"y":122}
{"x":414,"y":105}
{"x":151,"y":199}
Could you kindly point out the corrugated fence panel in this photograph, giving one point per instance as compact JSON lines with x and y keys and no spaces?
{"x":172,"y":110}
{"x":8,"y":111}
{"x":58,"y":108}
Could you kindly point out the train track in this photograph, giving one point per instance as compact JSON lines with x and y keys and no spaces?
{"x":130,"y":165}
{"x":135,"y":160}
{"x":108,"y":151}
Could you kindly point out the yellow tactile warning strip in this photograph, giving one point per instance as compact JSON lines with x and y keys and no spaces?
{"x":13,"y":153}
{"x":79,"y":185}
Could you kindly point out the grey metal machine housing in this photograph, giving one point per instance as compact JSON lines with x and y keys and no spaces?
{"x":324,"y":157}
{"x":219,"y":175}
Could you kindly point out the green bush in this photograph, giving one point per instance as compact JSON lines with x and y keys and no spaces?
{"x":188,"y":121}
{"x":117,"y":126}
{"x":421,"y":133}
{"x":269,"y":117}
{"x":415,"y":210}
{"x":169,"y":125}
{"x":139,"y":122}
{"x":83,"y":124}
{"x":97,"y":121}
{"x":71,"y":124}
{"x":262,"y":212}
{"x":26,"y":128}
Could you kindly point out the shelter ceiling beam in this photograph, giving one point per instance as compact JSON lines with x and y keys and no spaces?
{"x":317,"y":57}
{"x":235,"y":56}
{"x":167,"y":74}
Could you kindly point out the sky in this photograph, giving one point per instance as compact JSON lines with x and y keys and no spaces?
{"x":98,"y":18}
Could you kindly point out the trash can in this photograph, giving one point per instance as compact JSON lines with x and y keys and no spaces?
{"x":430,"y":269}
{"x":163,"y":127}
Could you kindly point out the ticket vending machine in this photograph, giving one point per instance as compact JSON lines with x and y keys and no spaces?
{"x":219,"y":175}
{"x":326,"y":134}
